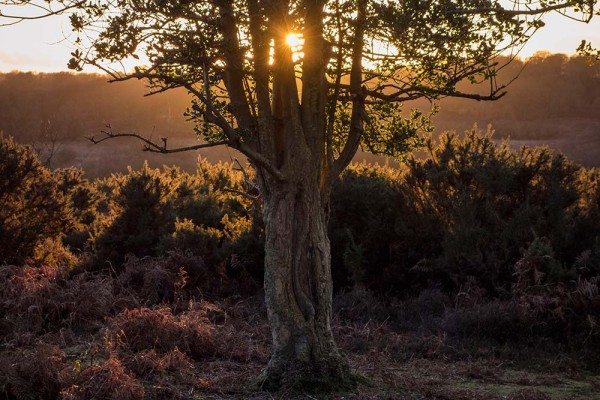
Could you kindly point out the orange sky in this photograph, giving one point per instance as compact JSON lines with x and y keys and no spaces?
{"x":40,"y":45}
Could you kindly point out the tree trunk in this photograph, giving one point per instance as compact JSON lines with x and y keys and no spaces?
{"x":298,"y":289}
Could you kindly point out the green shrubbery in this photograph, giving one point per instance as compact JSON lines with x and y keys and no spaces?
{"x":472,"y":242}
{"x":151,"y":212}
{"x":463,"y":215}
{"x":33,"y":208}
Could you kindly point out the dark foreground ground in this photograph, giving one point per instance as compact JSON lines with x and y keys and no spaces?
{"x":95,"y":337}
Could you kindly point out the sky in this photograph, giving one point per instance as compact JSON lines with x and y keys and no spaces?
{"x":41,"y":46}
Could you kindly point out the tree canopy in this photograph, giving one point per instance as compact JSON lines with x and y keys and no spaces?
{"x":358,"y":59}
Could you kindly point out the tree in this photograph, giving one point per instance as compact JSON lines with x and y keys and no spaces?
{"x":298,"y":86}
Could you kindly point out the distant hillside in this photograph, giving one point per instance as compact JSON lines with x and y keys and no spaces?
{"x":554,"y":101}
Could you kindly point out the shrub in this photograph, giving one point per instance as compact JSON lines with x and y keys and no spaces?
{"x":486,"y":202}
{"x":562,"y":304}
{"x":195,"y":239}
{"x":83,"y":201}
{"x":359,"y":305}
{"x":149,"y":280}
{"x":538,"y":268}
{"x":140,"y":216}
{"x":157,"y":279}
{"x":462,"y":214}
{"x":499,"y":321}
{"x":364,"y":207}
{"x":151,"y":212}
{"x":32,"y":206}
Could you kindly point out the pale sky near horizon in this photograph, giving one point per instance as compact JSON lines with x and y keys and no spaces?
{"x":40,"y":45}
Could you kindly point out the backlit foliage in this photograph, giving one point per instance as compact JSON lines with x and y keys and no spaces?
{"x":358,"y":61}
{"x":150,"y":211}
{"x":32,"y":206}
{"x":473,"y":249}
{"x":465,"y":212}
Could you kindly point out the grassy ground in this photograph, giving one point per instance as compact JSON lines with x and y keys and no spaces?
{"x":383,"y":378}
{"x":417,"y":379}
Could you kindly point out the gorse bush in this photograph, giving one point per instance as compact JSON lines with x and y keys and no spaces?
{"x":364,"y":209}
{"x":463,"y":214}
{"x":150,"y":212}
{"x":32,"y":206}
{"x":459,"y":218}
{"x":139,"y":214}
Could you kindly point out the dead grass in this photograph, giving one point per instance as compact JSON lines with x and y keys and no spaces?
{"x":108,"y":381}
{"x":93,"y":336}
{"x":150,"y":354}
{"x":144,"y":329}
{"x":33,"y":373}
{"x":36,"y":300}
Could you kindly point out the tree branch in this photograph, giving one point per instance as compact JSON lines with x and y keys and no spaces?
{"x":415,"y":92}
{"x":357,"y":91}
{"x":504,"y":11}
{"x":234,"y":68}
{"x":152,"y":146}
{"x":212,"y":115}
{"x":48,"y":13}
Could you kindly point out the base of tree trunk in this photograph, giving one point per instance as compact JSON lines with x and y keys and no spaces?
{"x":328,"y":376}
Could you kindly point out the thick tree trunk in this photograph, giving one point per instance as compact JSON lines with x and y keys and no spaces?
{"x":298,"y":289}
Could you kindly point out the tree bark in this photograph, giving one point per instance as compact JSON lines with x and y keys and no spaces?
{"x":298,"y":288}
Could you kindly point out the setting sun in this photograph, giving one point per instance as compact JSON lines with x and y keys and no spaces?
{"x":293,"y":40}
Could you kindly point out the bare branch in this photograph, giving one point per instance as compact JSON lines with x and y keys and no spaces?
{"x":150,"y":145}
{"x":529,"y":11}
{"x":415,"y":92}
{"x":252,"y":186}
{"x":48,"y":12}
{"x":212,"y":115}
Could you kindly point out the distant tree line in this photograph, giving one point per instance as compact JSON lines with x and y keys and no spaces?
{"x":66,"y":106}
{"x":550,"y":86}
{"x":41,"y":106}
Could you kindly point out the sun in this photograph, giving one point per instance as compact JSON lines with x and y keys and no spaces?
{"x":293,"y":40}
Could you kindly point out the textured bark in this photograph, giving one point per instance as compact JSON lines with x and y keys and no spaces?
{"x":298,"y":287}
{"x":298,"y":283}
